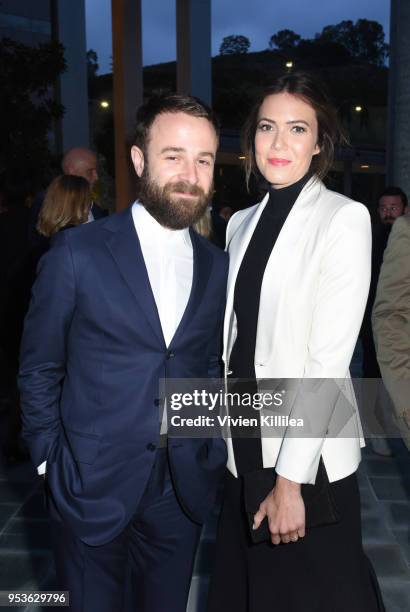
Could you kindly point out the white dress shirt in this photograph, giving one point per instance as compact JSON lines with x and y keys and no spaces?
{"x":169,"y":261}
{"x":168,"y":258}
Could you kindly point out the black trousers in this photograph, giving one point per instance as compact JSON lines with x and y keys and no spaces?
{"x":146,"y":568}
{"x":327,"y":571}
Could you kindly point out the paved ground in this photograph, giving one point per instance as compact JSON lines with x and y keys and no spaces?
{"x":25,"y":561}
{"x":26,"y":564}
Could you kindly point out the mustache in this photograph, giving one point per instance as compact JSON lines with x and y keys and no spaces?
{"x":184,"y":187}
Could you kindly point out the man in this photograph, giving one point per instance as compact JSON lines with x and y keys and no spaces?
{"x":119,"y":305}
{"x":391,"y":322}
{"x":83,"y":162}
{"x":392,"y":204}
{"x":220,"y":215}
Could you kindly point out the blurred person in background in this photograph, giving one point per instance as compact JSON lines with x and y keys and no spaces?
{"x":76,"y":162}
{"x":391,"y":323}
{"x":66,"y":204}
{"x":83,"y":162}
{"x":392,"y":204}
{"x":220,"y":215}
{"x":204,"y":226}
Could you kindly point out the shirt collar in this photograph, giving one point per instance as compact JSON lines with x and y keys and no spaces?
{"x":145,"y":222}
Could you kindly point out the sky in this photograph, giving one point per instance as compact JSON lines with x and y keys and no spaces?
{"x":256,"y":19}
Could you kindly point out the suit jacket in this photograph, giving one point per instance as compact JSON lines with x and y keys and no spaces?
{"x":312,"y":301}
{"x":391,"y":319}
{"x":91,"y":359}
{"x":98,"y":212}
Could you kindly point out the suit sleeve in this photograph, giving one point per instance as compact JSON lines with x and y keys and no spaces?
{"x":342,"y":292}
{"x":391,"y":316}
{"x":43,"y":348}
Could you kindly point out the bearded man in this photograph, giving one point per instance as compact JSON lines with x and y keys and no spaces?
{"x":118,"y":305}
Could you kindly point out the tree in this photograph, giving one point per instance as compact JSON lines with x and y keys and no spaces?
{"x":27,"y":106}
{"x":364,"y":39}
{"x":234,"y":44}
{"x":92,"y":64}
{"x":320,"y":53}
{"x":284,"y":40}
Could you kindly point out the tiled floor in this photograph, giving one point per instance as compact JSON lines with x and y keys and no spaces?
{"x":25,"y":560}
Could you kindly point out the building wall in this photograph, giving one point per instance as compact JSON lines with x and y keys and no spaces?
{"x":33,"y":22}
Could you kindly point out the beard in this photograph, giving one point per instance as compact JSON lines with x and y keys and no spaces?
{"x":169,"y":210}
{"x":388,"y":220}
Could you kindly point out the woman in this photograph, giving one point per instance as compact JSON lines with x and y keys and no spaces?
{"x":297,"y":289}
{"x":204,"y":225}
{"x":66,"y":204}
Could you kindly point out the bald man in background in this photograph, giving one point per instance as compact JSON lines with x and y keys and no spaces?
{"x":83,"y":162}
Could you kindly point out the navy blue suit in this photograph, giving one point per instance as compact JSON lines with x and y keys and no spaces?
{"x":92,"y":356}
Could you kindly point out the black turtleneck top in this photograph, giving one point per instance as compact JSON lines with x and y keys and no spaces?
{"x":247,"y":447}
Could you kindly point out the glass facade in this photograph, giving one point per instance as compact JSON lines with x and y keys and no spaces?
{"x":25,"y":24}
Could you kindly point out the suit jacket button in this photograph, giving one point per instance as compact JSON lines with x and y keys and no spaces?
{"x":157,"y":402}
{"x":169,"y":354}
{"x":151,"y":447}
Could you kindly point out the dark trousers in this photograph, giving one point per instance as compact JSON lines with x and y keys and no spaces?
{"x":327,"y":571}
{"x":146,"y":568}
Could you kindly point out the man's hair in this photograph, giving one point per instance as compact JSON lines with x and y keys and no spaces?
{"x":395,"y":191}
{"x":168,"y":103}
{"x":66,"y":203}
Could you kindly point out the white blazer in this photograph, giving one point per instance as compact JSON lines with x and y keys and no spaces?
{"x":312,"y":301}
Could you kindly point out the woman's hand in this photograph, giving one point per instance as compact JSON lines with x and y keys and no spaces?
{"x":285,"y":510}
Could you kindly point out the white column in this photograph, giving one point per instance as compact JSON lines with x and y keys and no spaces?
{"x":194,"y":67}
{"x":398,"y":136}
{"x":69,"y":29}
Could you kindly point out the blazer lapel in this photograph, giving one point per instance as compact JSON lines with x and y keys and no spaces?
{"x":202,"y":265}
{"x":237,"y":251}
{"x":288,"y":243}
{"x":125,"y":248}
{"x":294,"y":226}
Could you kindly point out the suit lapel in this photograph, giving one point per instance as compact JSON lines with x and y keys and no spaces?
{"x":125,"y":248}
{"x":202,"y":265}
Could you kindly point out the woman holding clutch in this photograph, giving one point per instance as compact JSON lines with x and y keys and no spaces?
{"x":297,"y":289}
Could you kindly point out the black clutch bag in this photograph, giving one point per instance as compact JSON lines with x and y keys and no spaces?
{"x":319,"y":503}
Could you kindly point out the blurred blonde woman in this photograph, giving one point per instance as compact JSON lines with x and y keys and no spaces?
{"x":66,"y":204}
{"x":204,"y":225}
